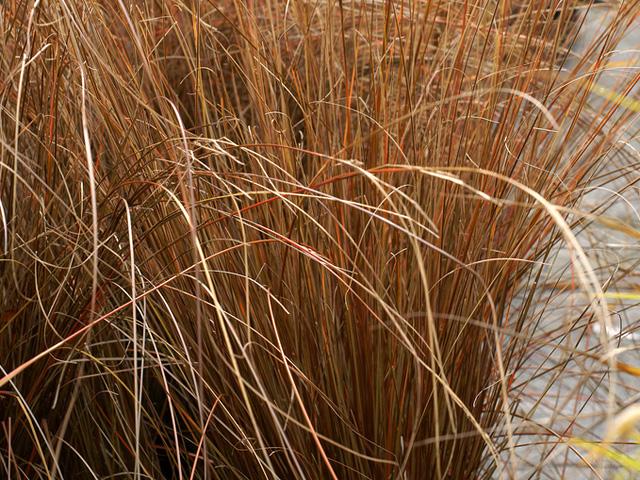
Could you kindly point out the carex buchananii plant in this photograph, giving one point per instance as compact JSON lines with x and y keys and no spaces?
{"x":282,"y":239}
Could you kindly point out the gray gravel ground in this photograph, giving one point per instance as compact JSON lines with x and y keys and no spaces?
{"x":564,"y":395}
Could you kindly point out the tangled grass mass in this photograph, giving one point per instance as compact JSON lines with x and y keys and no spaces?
{"x":245,"y":239}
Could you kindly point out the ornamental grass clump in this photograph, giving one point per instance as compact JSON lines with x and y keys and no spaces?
{"x":248,"y":239}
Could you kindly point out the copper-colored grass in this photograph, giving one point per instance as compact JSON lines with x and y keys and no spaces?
{"x":281,"y":239}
